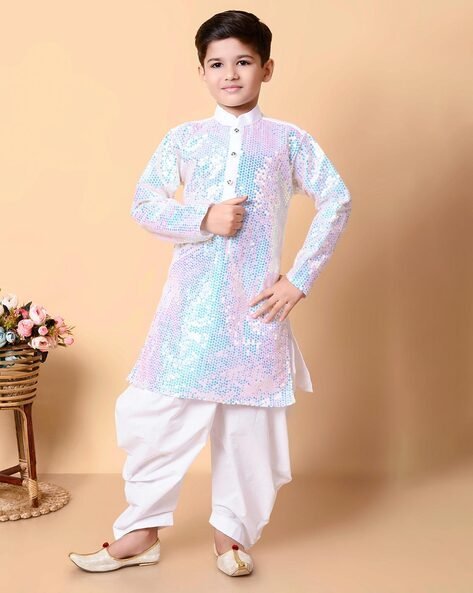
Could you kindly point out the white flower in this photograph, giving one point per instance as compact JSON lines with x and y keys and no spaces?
{"x":10,"y":300}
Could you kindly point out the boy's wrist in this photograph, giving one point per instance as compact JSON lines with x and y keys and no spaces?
{"x":203,"y":224}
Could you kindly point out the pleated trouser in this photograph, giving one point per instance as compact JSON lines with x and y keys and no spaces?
{"x":162,"y":435}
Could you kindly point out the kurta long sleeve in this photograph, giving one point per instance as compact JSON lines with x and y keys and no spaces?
{"x":315,"y":176}
{"x":203,"y":342}
{"x":154,"y":205}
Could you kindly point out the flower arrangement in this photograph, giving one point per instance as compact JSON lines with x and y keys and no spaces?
{"x":32,"y":324}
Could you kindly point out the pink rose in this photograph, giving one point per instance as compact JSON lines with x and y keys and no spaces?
{"x":42,"y":330}
{"x":69,"y":340}
{"x":59,"y":321}
{"x":62,"y":329}
{"x":24,"y":328}
{"x":43,"y":343}
{"x":24,"y":313}
{"x":37,"y":313}
{"x":40,"y":342}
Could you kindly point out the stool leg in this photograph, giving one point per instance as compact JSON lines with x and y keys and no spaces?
{"x":31,"y":456}
{"x":20,"y":443}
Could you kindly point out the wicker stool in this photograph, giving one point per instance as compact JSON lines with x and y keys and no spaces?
{"x":18,"y":382}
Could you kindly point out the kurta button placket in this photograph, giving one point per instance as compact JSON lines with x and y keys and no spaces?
{"x":235,"y":139}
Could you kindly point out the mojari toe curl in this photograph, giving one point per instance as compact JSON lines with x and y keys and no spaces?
{"x":102,"y":561}
{"x":234,"y":562}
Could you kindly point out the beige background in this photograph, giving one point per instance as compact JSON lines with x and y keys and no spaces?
{"x":88,"y":90}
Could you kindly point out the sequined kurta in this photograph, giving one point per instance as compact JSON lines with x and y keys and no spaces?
{"x":203,"y":344}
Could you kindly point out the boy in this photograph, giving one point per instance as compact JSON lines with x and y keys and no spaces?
{"x":220,"y":358}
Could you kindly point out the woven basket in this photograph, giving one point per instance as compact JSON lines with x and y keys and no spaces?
{"x":19,"y":375}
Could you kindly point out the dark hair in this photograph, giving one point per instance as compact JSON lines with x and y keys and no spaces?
{"x":245,"y":26}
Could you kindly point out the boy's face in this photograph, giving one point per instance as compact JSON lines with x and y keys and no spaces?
{"x":231,"y":63}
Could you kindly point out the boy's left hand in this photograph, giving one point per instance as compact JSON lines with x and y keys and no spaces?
{"x":282,"y":295}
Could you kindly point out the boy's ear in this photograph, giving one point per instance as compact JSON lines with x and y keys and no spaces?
{"x":269,"y":69}
{"x":201,"y":72}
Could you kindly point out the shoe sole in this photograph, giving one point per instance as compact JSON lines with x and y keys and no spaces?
{"x":117,"y":568}
{"x":118,"y":559}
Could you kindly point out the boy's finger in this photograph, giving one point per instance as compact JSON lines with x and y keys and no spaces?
{"x":259,"y":297}
{"x":236,"y":200}
{"x":263,"y":309}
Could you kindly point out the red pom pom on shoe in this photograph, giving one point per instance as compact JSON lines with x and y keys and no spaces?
{"x":105,"y":545}
{"x":235,"y":547}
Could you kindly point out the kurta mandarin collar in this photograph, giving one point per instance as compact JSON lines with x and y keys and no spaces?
{"x":225,"y":117}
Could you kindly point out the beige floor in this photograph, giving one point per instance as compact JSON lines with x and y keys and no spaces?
{"x":326,"y":535}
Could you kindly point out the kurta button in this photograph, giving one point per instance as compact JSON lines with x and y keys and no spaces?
{"x":229,"y":181}
{"x":233,"y":153}
{"x":237,"y":130}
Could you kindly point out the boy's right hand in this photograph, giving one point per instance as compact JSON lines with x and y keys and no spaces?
{"x":225,"y":218}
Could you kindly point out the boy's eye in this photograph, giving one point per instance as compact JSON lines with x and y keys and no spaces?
{"x":218,"y":63}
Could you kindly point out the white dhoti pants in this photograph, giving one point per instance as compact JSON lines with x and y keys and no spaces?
{"x":162,"y":435}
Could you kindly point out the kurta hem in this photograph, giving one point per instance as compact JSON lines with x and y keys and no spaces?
{"x":221,"y":400}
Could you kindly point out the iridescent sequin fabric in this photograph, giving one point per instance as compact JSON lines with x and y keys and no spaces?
{"x":203,"y":343}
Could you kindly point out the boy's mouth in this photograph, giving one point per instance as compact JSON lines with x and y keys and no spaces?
{"x":231,"y":88}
